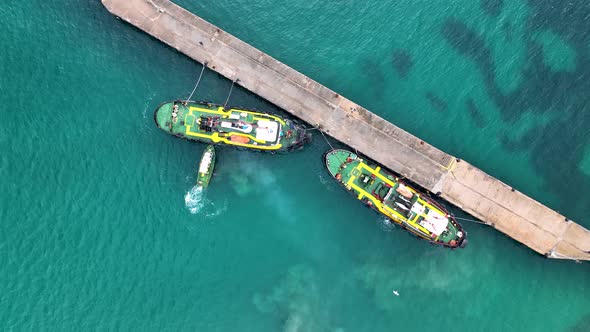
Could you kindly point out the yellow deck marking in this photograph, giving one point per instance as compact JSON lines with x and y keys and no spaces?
{"x":215,"y":136}
{"x":372,"y":171}
{"x":430,"y":206}
{"x":189,"y":116}
{"x":380,"y":206}
{"x":391,"y":183}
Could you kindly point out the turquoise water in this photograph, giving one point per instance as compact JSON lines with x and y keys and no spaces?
{"x":102,"y":229}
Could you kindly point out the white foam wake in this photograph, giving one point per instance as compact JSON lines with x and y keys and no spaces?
{"x":197,"y":203}
{"x":146,"y":105}
{"x":386,"y":224}
{"x":194,"y":200}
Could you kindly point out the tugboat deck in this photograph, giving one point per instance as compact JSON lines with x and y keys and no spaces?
{"x":215,"y":124}
{"x":392,"y":198}
{"x":227,"y":126}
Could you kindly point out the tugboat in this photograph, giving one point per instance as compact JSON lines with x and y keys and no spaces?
{"x":391,"y":197}
{"x":206,"y":166}
{"x":214,"y":124}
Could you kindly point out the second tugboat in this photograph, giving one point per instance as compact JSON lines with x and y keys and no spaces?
{"x":206,"y":166}
{"x":384,"y":192}
{"x":213,"y":124}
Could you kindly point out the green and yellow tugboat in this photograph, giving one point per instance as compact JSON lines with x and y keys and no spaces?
{"x":206,"y":166}
{"x":241,"y":128}
{"x":386,"y":193}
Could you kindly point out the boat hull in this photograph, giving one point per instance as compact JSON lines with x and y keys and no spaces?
{"x":206,"y":166}
{"x":237,"y":127}
{"x":452,"y":237}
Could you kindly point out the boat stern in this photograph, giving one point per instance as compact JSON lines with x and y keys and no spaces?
{"x":293,"y":136}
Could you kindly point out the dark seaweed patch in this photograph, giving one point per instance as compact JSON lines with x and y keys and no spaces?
{"x":475,"y":114}
{"x":437,"y":103}
{"x":464,"y":40}
{"x":554,"y":147}
{"x":509,"y":144}
{"x":527,"y":140}
{"x":402,"y":62}
{"x":542,"y":89}
{"x":569,"y":19}
{"x":492,"y":7}
{"x":468,"y":43}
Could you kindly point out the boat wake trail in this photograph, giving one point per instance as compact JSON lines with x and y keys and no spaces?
{"x":146,"y":105}
{"x":196,"y":202}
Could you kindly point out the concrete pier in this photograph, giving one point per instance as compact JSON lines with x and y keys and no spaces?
{"x":518,"y":216}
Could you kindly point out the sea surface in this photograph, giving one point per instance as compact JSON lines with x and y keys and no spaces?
{"x":102,"y":228}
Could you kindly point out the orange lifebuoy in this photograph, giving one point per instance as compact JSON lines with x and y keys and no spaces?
{"x":239,"y":139}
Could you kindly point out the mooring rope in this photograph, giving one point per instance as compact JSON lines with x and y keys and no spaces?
{"x":322,"y":132}
{"x":230,"y":90}
{"x":473,"y":220}
{"x":327,"y":141}
{"x":198,"y":81}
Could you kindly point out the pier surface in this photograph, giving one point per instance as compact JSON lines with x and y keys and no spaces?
{"x":495,"y":203}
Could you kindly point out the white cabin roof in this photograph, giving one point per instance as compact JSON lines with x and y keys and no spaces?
{"x":267,"y":130}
